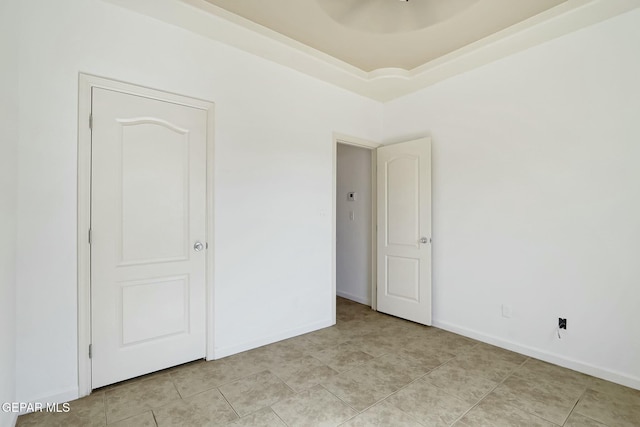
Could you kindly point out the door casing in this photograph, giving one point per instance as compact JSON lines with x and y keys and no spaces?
{"x":86,"y":83}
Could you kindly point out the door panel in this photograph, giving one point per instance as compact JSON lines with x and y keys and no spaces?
{"x":404,"y":218}
{"x":148,"y":207}
{"x":154,"y":309}
{"x":155,"y":178}
{"x":403,"y":278}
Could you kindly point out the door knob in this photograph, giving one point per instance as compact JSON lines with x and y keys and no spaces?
{"x":198,"y":246}
{"x":424,"y":240}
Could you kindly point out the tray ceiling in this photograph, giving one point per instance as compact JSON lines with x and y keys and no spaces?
{"x":378,"y":34}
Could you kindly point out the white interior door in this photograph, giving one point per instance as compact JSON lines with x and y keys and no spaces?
{"x":404,"y":230}
{"x":148,"y":214}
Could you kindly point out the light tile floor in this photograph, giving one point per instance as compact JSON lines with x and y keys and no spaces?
{"x":368,"y":370}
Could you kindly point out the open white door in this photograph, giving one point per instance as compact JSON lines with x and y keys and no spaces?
{"x":404,"y":230}
{"x":148,"y":220}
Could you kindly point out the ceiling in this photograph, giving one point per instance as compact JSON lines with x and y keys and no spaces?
{"x":379,"y":34}
{"x":381,"y":49}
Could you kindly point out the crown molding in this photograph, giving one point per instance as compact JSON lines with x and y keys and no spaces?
{"x":384,"y":84}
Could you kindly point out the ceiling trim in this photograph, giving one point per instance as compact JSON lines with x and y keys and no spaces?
{"x":384,"y":84}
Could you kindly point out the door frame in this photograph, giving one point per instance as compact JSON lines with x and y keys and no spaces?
{"x":86,"y":83}
{"x":339,"y":138}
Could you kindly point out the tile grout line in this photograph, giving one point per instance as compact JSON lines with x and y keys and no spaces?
{"x":490,"y":391}
{"x":277,"y":415}
{"x":228,"y":403}
{"x":575,"y":405}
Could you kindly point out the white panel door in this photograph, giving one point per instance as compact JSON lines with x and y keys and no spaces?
{"x":404,"y":230}
{"x":148,"y":212}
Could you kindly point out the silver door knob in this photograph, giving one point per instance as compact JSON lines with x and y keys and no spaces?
{"x":198,"y":246}
{"x":424,"y":240}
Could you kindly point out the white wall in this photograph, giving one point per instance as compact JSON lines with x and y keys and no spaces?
{"x":536,"y":198}
{"x":273,"y":173}
{"x":353,"y":237}
{"x":8,"y":201}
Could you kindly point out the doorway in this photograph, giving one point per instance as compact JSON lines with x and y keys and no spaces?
{"x":400,"y":230}
{"x":354,"y":223}
{"x":145,"y":217}
{"x":354,"y":257}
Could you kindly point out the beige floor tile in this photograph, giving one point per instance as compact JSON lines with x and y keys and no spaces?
{"x":359,"y":388}
{"x":356,"y":328}
{"x":403,"y":332}
{"x":615,"y":391}
{"x":382,"y":415}
{"x":143,"y":420}
{"x":92,"y":406}
{"x":372,"y":344}
{"x":245,"y":364}
{"x":294,"y":367}
{"x":484,"y":365}
{"x":423,"y":332}
{"x":534,"y":369}
{"x":468,"y":386}
{"x":88,"y":411}
{"x":577,"y":420}
{"x":303,"y":344}
{"x":451,"y":343}
{"x":303,"y":373}
{"x":62,"y":419}
{"x":342,"y":357}
{"x":610,"y":409}
{"x":361,"y":362}
{"x":349,"y":313}
{"x":205,"y":409}
{"x":137,"y":397}
{"x":492,"y":352}
{"x":428,"y":404}
{"x":310,"y":378}
{"x":313,"y":407}
{"x":249,"y":394}
{"x":430,"y":357}
{"x":263,"y":418}
{"x":270,"y":359}
{"x":552,"y":401}
{"x":395,"y":369}
{"x":496,"y":413}
{"x":198,"y":377}
{"x":286,"y":350}
{"x":328,"y":336}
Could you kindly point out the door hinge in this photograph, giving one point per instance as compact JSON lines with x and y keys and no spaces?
{"x":90,"y":351}
{"x":90,"y":236}
{"x":91,"y":121}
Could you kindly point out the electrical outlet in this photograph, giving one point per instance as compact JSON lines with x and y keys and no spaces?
{"x":562,"y":323}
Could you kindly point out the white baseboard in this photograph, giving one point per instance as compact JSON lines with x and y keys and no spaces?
{"x":59,"y":396}
{"x":556,"y":359}
{"x":228,"y":351}
{"x":355,"y":298}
